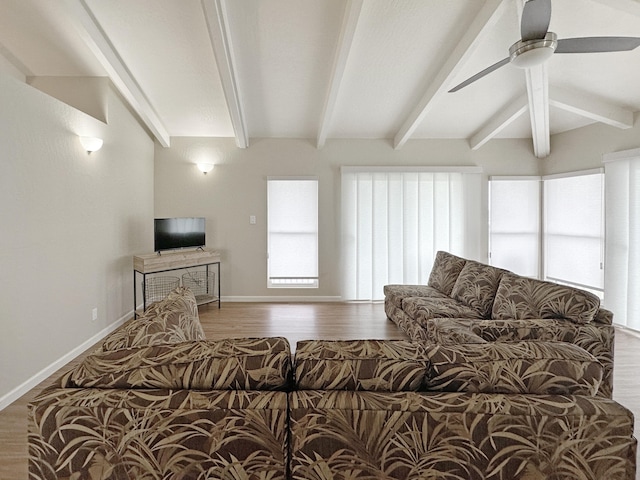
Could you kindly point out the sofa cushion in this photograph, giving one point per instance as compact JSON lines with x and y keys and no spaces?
{"x":422,"y":309}
{"x":522,"y":367}
{"x":172,"y":320}
{"x":233,"y":364}
{"x":476,"y":286}
{"x":372,"y":365}
{"x":452,"y":331}
{"x":445,"y":271}
{"x":397,"y":293}
{"x":523,"y":298}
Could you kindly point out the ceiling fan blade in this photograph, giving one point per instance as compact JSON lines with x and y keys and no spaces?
{"x":597,"y":44}
{"x":481,"y":74}
{"x":536,"y":16}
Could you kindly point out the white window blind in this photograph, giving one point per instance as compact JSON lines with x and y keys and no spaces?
{"x":574,"y":229}
{"x":514,"y":224}
{"x":292,"y":223}
{"x":622,"y":272}
{"x":395,"y":220}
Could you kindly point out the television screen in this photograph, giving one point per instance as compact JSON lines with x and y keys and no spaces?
{"x":174,"y":233}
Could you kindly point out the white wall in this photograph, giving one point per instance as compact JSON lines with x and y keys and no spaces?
{"x":70,"y":223}
{"x":583,"y":148}
{"x":236,"y":189}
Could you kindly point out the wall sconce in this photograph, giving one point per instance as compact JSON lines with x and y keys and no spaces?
{"x":91,"y":144}
{"x":205,"y":167}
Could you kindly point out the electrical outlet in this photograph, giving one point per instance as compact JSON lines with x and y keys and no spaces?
{"x":94,"y":314}
{"x":252,"y":219}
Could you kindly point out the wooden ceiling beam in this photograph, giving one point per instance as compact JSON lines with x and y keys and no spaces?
{"x":486,"y":18}
{"x":345,"y":42}
{"x":590,"y":107}
{"x":215,"y":13}
{"x":498,"y":123}
{"x":98,"y":42}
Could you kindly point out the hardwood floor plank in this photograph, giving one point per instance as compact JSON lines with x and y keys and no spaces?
{"x":296,"y":321}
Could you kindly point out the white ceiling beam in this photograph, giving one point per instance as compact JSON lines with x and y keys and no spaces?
{"x":590,"y":107}
{"x":486,"y":18}
{"x":96,"y":39}
{"x":538,"y":95}
{"x":627,"y":6}
{"x":215,"y":12}
{"x":537,"y":80}
{"x":498,"y":123}
{"x":345,"y":42}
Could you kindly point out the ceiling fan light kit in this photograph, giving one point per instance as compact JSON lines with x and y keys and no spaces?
{"x":531,"y":53}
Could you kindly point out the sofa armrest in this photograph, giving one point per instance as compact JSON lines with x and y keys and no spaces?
{"x":603,"y":317}
{"x":522,"y":367}
{"x":174,"y":319}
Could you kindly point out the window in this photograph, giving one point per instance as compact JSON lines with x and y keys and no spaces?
{"x":574,"y":229}
{"x":394,"y":220}
{"x":292,"y":232}
{"x":622,"y":272}
{"x":514,"y":224}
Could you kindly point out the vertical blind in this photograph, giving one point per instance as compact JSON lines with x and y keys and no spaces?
{"x":292,"y":231}
{"x":622,"y":274}
{"x":395,"y":220}
{"x":574,"y":229}
{"x":514,"y":224}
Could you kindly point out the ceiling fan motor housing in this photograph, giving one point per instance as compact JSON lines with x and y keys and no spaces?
{"x":531,"y":53}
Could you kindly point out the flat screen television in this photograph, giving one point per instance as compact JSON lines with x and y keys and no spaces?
{"x":181,"y":232}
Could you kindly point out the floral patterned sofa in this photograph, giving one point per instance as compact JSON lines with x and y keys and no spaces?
{"x":510,"y":411}
{"x":158,"y":401}
{"x":469,"y":302}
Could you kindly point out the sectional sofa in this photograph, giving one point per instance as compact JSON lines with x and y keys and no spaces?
{"x":158,"y":401}
{"x":469,"y":302}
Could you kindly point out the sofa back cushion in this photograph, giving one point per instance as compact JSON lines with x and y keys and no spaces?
{"x":476,"y":286}
{"x":445,"y":271}
{"x":371,"y":365}
{"x":539,"y":368}
{"x":522,"y":298}
{"x":233,"y":364}
{"x":171,"y":320}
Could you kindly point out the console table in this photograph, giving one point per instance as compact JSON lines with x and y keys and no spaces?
{"x":175,"y":260}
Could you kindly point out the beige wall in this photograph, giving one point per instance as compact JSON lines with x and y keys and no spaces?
{"x":583,"y":148}
{"x":236,"y":189}
{"x":70,"y":223}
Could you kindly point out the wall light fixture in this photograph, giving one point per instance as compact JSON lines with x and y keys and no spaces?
{"x":205,"y":167}
{"x":91,"y":144}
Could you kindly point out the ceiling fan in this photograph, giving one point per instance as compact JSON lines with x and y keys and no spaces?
{"x":538,"y":44}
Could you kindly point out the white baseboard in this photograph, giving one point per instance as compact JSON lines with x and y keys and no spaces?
{"x":282,"y":299}
{"x":43,"y":374}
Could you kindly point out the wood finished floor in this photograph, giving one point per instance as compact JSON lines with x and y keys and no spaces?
{"x":331,"y":321}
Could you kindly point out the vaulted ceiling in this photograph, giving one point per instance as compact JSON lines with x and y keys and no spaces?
{"x":325,"y":69}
